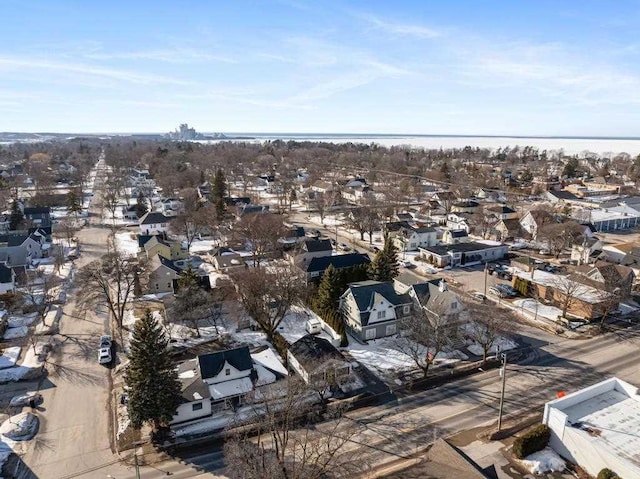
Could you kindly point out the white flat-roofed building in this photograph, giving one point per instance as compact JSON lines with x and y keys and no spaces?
{"x":598,"y":427}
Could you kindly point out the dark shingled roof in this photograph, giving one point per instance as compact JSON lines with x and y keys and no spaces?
{"x":5,"y":274}
{"x":168,"y":263}
{"x":458,"y":233}
{"x":338,"y":261}
{"x":316,"y":245}
{"x":460,"y":247}
{"x":312,"y":351}
{"x":211,"y":364}
{"x":364,"y":293}
{"x":37,"y":210}
{"x":153,"y":217}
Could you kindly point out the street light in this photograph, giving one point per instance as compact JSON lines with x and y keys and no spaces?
{"x":503,"y":373}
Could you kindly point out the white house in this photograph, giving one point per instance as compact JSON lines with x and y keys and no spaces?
{"x":196,"y":399}
{"x":461,"y":254}
{"x":409,"y":236}
{"x":459,"y":221}
{"x":153,"y":223}
{"x":597,"y":427}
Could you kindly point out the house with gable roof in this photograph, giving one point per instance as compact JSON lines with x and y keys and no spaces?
{"x":153,"y":223}
{"x":163,"y":275}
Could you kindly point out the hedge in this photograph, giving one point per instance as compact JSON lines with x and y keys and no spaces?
{"x":533,"y":441}
{"x":607,"y":474}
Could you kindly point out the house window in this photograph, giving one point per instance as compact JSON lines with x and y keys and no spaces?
{"x":454,"y":305}
{"x":382,"y":314}
{"x":391,"y":329}
{"x":157,"y":287}
{"x":227,"y":372}
{"x":406,"y":309}
{"x":196,"y":407}
{"x":370,"y":334}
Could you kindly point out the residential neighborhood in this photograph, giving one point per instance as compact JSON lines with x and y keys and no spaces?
{"x":217,"y":307}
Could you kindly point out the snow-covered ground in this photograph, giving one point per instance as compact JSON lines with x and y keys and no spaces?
{"x":499,"y":346}
{"x":9,"y":357}
{"x":293,"y":326}
{"x":543,"y":461}
{"x":127,"y":243}
{"x":202,"y":246}
{"x":19,"y":332}
{"x":19,"y":320}
{"x":380,"y":355}
{"x":533,"y":308}
{"x":30,"y":365}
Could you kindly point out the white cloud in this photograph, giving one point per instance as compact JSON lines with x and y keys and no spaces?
{"x":400,"y":29}
{"x":172,"y":55}
{"x":86,"y":69}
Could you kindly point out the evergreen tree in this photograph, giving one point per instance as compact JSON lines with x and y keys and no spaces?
{"x":151,"y":378}
{"x":16,"y":219}
{"x":385,"y":265}
{"x":141,"y":205}
{"x":192,"y":303}
{"x":329,"y":291}
{"x":218,"y":194}
{"x":73,"y":203}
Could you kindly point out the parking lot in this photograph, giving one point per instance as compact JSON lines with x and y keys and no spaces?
{"x":473,"y":278}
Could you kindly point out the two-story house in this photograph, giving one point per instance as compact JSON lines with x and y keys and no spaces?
{"x":163,"y":274}
{"x":409,"y":236}
{"x":534,"y":220}
{"x":603,"y":276}
{"x":168,"y":249}
{"x":37,"y":215}
{"x":309,"y":249}
{"x":370,"y":309}
{"x":33,"y":243}
{"x":153,"y":223}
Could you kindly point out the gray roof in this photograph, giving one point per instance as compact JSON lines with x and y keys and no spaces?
{"x":312,"y":351}
{"x":211,"y":364}
{"x":459,"y":248}
{"x":339,"y":261}
{"x":193,"y":387}
{"x":458,"y":233}
{"x":13,"y":256}
{"x":364,"y":293}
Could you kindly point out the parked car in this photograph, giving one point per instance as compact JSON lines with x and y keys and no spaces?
{"x":27,"y":399}
{"x":104,"y":355}
{"x":495,"y":291}
{"x":507,"y":290}
{"x":343,"y":247}
{"x":478,"y":296}
{"x":408,"y":264}
{"x":502,"y":274}
{"x":544,"y":252}
{"x":105,"y":341}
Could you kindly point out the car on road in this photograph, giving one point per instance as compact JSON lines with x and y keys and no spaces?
{"x":104,"y":355}
{"x":104,"y":351}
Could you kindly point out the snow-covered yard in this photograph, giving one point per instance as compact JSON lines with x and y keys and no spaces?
{"x":19,"y":332}
{"x":127,"y":243}
{"x":31,"y":366}
{"x":381,"y":356}
{"x":543,"y":461}
{"x":9,"y":357}
{"x":293,"y":326}
{"x":202,"y":246}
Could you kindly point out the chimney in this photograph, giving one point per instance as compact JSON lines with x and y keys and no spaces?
{"x":442,"y":286}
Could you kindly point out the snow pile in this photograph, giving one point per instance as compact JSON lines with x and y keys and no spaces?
{"x":31,"y":366}
{"x":202,"y":246}
{"x":543,"y":461}
{"x":17,"y":321}
{"x":126,"y":243}
{"x":9,"y":357}
{"x":20,"y":427}
{"x":19,"y":332}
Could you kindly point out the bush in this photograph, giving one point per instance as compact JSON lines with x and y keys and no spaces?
{"x":607,"y":474}
{"x":533,"y":441}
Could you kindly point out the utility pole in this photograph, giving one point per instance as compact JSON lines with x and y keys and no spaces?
{"x":486,"y":270}
{"x":503,"y":372}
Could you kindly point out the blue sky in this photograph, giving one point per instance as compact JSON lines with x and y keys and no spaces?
{"x":429,"y":67}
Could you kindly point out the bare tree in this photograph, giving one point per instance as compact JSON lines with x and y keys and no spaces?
{"x":567,"y":292}
{"x":111,"y":281}
{"x":482,"y":222}
{"x":486,"y":325}
{"x":425,"y":333}
{"x":559,"y":236}
{"x":282,"y":445}
{"x":267,"y":294}
{"x":261,"y":232}
{"x":112,"y":190}
{"x":193,"y":220}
